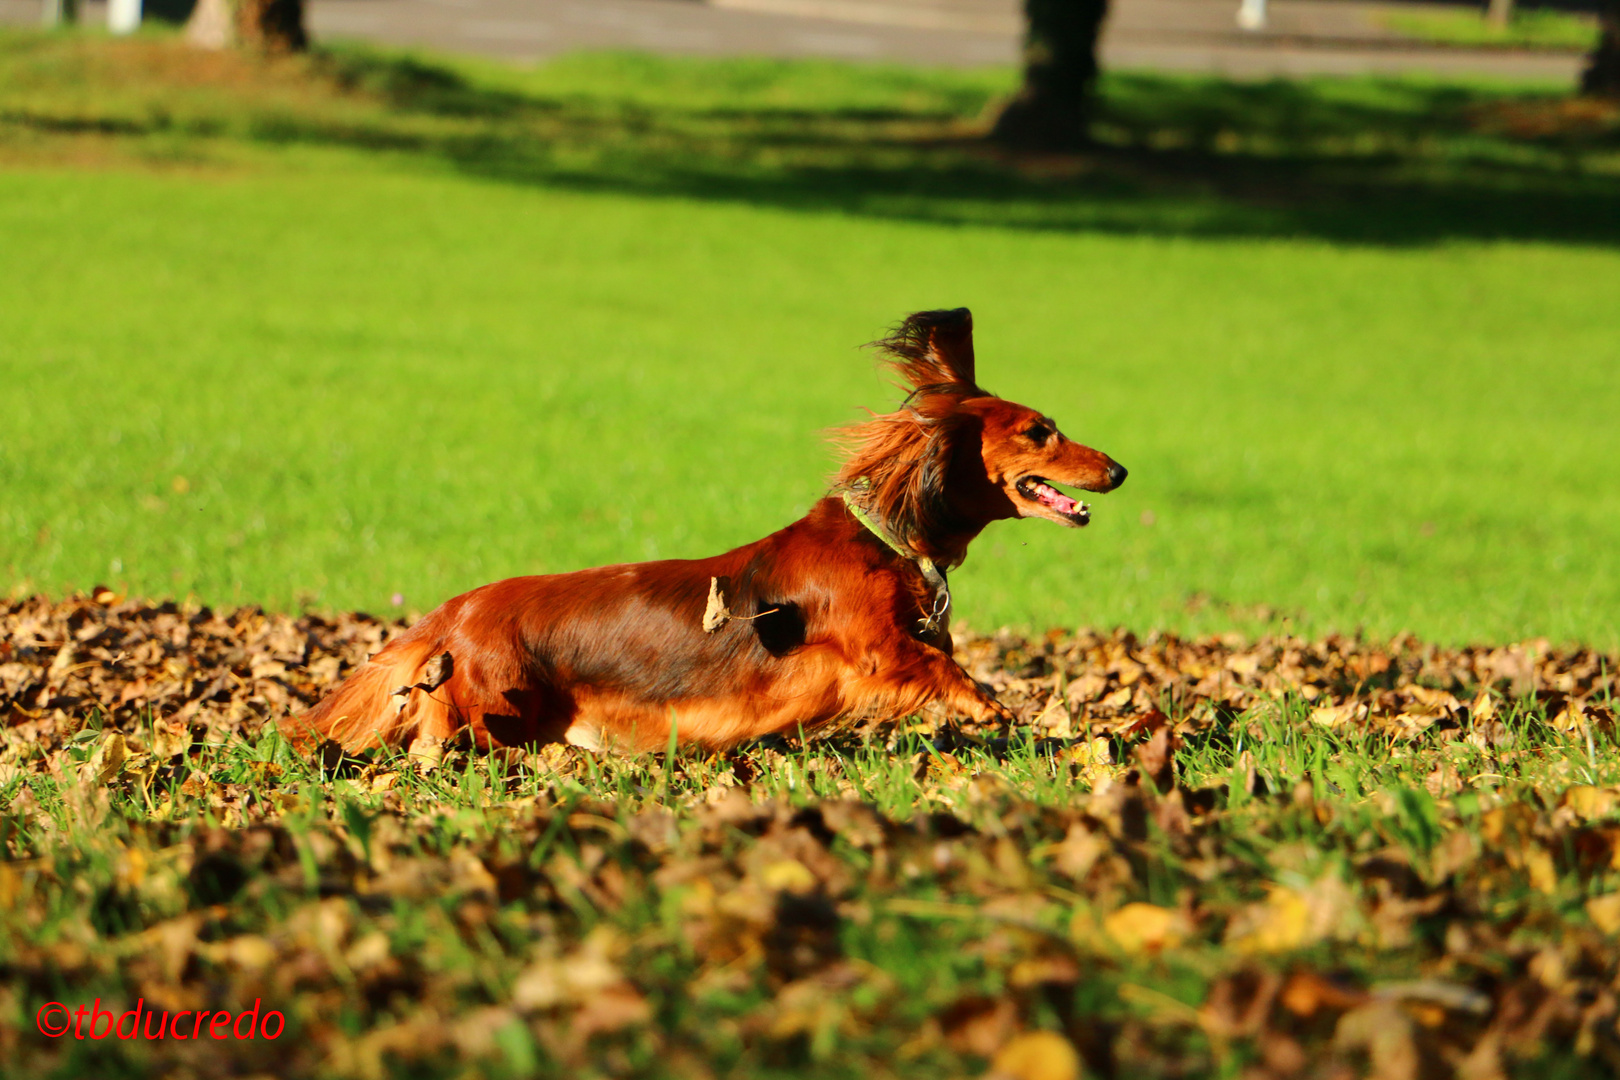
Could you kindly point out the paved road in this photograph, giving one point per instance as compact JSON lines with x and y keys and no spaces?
{"x":1304,"y":36}
{"x":536,"y":28}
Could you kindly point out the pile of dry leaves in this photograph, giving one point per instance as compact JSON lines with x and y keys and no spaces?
{"x":1131,"y":896}
{"x":231,"y":671}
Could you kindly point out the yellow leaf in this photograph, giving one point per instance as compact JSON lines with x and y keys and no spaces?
{"x":1144,"y":928}
{"x":368,"y":952}
{"x":1543,"y":874}
{"x":1054,"y":719}
{"x":109,"y":758}
{"x":1604,"y":911}
{"x":132,"y":868}
{"x":425,"y":753}
{"x":1571,"y":719}
{"x":169,"y":740}
{"x":1332,"y":716}
{"x":250,"y":951}
{"x":1589,"y":802}
{"x":1283,"y":922}
{"x":788,"y":875}
{"x":1037,"y":1055}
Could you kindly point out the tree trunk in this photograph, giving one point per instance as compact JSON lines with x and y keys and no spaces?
{"x":59,"y":12}
{"x":1602,"y":75}
{"x":266,"y":25}
{"x":1053,"y":109}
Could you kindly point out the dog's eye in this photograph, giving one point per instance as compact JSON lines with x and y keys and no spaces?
{"x":1038,"y":433}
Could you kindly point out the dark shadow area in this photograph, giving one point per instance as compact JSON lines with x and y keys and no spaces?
{"x":1371,"y":162}
{"x":174,"y":12}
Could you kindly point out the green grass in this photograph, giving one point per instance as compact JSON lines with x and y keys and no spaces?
{"x":1528,"y":29}
{"x":324,"y":332}
{"x":1441,"y":850}
{"x":831,"y":909}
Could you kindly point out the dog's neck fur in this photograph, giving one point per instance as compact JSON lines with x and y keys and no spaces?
{"x":944,"y":542}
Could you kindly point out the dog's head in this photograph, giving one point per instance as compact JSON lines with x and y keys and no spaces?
{"x":1024,"y":458}
{"x":955,"y":457}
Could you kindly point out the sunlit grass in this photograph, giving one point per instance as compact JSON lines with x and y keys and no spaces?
{"x":1532,"y":28}
{"x":957,"y":862}
{"x":366,"y":327}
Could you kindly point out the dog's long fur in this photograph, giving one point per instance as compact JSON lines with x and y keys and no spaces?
{"x":831,"y":619}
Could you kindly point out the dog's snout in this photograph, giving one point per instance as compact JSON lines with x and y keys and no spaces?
{"x":1116,"y":474}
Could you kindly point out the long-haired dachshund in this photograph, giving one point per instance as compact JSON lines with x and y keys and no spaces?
{"x":845,"y":612}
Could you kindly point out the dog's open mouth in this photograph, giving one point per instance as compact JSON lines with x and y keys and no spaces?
{"x":1039,"y":490}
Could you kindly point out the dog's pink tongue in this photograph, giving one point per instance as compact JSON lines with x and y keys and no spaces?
{"x":1057,"y":500}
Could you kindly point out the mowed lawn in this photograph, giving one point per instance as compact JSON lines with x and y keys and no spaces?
{"x":359,"y":340}
{"x":365,"y":329}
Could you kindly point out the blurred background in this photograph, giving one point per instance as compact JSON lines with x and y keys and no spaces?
{"x":362,"y":303}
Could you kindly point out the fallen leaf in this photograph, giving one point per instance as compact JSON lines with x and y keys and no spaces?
{"x":978,"y":1025}
{"x":108,"y":760}
{"x":788,"y":875}
{"x":1604,"y":911}
{"x":1139,"y":927}
{"x":715,"y":612}
{"x":1036,"y":1055}
{"x":1589,"y":802}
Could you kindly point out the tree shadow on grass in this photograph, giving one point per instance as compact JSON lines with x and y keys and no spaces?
{"x":1390,"y":163}
{"x":1360,"y":160}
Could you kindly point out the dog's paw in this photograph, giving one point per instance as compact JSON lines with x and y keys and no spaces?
{"x":993,"y":711}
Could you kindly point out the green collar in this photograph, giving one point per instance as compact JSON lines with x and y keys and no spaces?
{"x":933,"y":573}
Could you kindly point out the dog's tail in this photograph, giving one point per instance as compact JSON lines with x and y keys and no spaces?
{"x":366,"y":711}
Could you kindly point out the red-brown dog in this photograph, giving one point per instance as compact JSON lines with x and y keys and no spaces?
{"x":844,"y":612}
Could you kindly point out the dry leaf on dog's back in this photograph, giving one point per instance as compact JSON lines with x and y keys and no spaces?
{"x":715,"y":612}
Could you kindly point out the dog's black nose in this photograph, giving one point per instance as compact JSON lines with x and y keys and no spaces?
{"x":1117,"y":473}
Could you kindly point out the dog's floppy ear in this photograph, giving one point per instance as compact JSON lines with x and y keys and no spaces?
{"x":934,"y":349}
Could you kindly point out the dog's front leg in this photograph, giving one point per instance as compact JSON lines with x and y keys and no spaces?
{"x":905,"y":674}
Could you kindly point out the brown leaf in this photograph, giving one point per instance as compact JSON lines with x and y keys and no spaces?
{"x":108,"y":759}
{"x":1305,"y":993}
{"x":715,"y":613}
{"x":1157,"y":758}
{"x":435,"y":673}
{"x":1385,"y":1033}
{"x":978,"y":1025}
